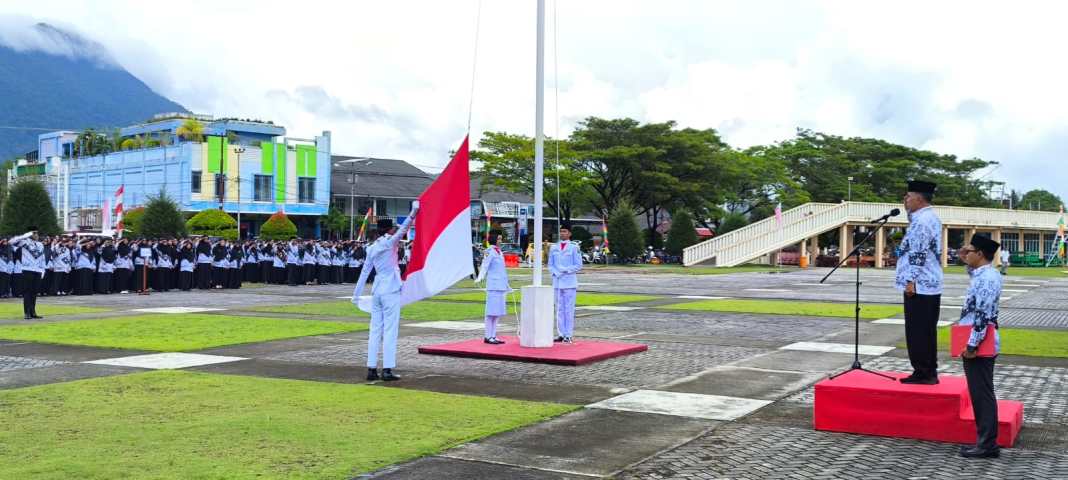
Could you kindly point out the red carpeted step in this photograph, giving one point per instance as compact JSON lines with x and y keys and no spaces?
{"x":579,"y":353}
{"x":859,"y":402}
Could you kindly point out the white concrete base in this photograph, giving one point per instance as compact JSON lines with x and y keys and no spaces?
{"x":701,"y":297}
{"x":769,"y":290}
{"x":836,"y":348}
{"x":1014,"y":290}
{"x":901,"y":321}
{"x":177,"y":310}
{"x":952,"y":307}
{"x":692,"y":405}
{"x":166,"y":361}
{"x":538,"y":316}
{"x":450,"y":325}
{"x":609,"y":308}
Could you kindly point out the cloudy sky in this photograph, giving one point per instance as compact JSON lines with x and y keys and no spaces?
{"x":392,"y":79}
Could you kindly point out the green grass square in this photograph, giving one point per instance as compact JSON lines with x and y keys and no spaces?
{"x":172,"y":332}
{"x":186,"y":425}
{"x":584,"y":298}
{"x":1019,"y":341}
{"x":784,"y":307}
{"x":14,"y":309}
{"x":424,"y":311}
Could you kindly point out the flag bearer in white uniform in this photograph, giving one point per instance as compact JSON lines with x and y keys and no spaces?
{"x":386,"y":296}
{"x":496,"y":277}
{"x":565,"y":261}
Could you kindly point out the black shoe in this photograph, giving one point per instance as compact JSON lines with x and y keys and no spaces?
{"x":36,"y":316}
{"x":372,"y":374}
{"x":498,"y":341}
{"x":976,"y":452}
{"x":387,"y":375}
{"x":558,"y":339}
{"x":27,"y":317}
{"x":568,"y":340}
{"x":914,"y":380}
{"x":492,"y":341}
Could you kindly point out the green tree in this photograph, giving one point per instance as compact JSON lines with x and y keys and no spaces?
{"x":583,"y":236}
{"x":336,"y":222}
{"x":162,"y":219}
{"x":278,"y":227}
{"x":1041,"y":200}
{"x":625,"y":240}
{"x":131,"y":222}
{"x":90,"y":142}
{"x":508,"y":162}
{"x":191,"y":130}
{"x":27,"y":205}
{"x":213,"y":223}
{"x":653,"y":238}
{"x":128,"y":144}
{"x":731,"y":222}
{"x":682,"y":233}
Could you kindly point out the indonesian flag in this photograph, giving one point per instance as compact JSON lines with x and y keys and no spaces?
{"x":118,"y":210}
{"x":441,"y":252}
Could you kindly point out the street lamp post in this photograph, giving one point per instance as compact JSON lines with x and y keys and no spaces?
{"x":849,"y":195}
{"x":239,"y":151}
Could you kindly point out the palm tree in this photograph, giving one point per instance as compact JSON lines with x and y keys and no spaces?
{"x":191,"y":130}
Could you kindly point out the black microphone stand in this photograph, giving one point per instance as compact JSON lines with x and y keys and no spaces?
{"x":856,"y":314}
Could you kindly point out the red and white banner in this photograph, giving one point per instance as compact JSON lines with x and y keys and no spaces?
{"x":118,"y":210}
{"x":441,"y":253}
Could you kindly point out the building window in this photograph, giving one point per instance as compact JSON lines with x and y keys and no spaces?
{"x":220,"y":186}
{"x":195,"y":183}
{"x":262,"y":188}
{"x":305,"y":190}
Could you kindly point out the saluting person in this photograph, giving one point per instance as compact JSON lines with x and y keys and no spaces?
{"x":33,"y":264}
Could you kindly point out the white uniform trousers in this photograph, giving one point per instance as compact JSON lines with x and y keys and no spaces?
{"x":385,"y":320}
{"x":565,"y":311}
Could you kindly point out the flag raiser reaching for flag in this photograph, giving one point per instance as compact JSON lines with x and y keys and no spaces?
{"x":441,"y":252}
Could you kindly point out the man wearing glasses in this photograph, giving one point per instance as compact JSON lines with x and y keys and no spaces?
{"x":980,"y":311}
{"x":919,"y":277}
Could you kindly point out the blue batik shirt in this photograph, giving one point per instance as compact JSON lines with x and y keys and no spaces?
{"x":920,"y":260}
{"x":980,"y":308}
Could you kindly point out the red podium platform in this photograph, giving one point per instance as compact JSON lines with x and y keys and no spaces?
{"x":579,"y":353}
{"x":859,"y":402}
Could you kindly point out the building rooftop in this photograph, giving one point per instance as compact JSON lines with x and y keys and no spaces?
{"x":377,"y":177}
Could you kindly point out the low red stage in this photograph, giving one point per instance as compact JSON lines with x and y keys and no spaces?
{"x":860,"y":402}
{"x":579,"y":353}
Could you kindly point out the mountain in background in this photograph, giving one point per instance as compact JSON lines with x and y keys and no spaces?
{"x":56,"y":79}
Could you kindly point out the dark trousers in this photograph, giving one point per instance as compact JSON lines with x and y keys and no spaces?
{"x":185,"y":280}
{"x":921,"y":333}
{"x":31,"y":283}
{"x":980,"y":374}
{"x":61,"y":282}
{"x":83,"y":281}
{"x":203,"y":273}
{"x":103,"y":282}
{"x":5,"y":285}
{"x":121,"y":279}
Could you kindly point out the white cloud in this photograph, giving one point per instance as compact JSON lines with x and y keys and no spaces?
{"x":392,"y":78}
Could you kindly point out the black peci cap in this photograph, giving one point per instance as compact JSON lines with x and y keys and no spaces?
{"x":920,"y":186}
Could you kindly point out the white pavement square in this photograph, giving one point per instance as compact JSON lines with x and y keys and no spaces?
{"x":901,"y":321}
{"x":701,"y":297}
{"x":692,"y":405}
{"x":166,"y":361}
{"x":769,"y":290}
{"x":836,"y":348}
{"x":177,"y":310}
{"x":609,"y":308}
{"x":450,"y":325}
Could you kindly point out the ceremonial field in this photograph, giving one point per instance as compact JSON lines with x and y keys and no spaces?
{"x":268,"y":383}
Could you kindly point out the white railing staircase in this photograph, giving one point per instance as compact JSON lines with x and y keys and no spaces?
{"x":811,"y":219}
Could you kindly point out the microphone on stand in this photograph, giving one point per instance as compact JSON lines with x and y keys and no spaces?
{"x":893,"y":213}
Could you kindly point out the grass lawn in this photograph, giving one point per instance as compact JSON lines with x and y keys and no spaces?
{"x":1018,"y":341}
{"x":417,"y":312}
{"x":14,"y":309}
{"x":584,"y":298}
{"x":1048,"y":272}
{"x":681,"y":270}
{"x":783,"y":307}
{"x":182,"y":425}
{"x":172,"y":333}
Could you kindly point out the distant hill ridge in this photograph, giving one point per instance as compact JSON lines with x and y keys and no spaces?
{"x":53,"y":78}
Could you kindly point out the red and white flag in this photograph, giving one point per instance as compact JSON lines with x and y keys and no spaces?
{"x":119,"y":227}
{"x":441,"y":252}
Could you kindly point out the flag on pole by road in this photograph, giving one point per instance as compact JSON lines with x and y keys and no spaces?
{"x":119,"y":227}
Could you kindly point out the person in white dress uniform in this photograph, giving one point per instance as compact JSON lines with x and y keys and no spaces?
{"x":386,"y":296}
{"x":496,"y":277}
{"x":565,"y":261}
